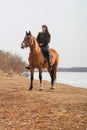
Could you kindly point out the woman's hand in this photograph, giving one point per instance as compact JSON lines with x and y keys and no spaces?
{"x":41,"y":44}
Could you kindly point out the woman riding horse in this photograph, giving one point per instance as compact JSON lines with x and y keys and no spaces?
{"x":36,"y":60}
{"x":43,"y":39}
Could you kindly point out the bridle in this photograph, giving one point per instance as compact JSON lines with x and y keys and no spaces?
{"x":29,"y":42}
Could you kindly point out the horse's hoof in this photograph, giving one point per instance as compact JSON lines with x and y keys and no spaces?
{"x":30,"y":89}
{"x":52,"y":88}
{"x":40,"y":89}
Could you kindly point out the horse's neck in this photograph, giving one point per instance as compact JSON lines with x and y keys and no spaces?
{"x":35,"y":49}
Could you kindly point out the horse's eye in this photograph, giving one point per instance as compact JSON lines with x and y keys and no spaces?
{"x":25,"y":38}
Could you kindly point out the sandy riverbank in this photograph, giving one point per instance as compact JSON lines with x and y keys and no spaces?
{"x":64,"y":108}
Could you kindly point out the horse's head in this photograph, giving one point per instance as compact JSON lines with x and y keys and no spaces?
{"x":27,"y":42}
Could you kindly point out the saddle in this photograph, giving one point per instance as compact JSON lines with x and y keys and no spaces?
{"x":46,"y":58}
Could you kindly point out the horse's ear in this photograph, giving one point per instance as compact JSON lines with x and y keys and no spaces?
{"x":26,"y":33}
{"x":29,"y":32}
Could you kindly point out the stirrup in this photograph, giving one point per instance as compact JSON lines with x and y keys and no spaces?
{"x":50,"y":65}
{"x":27,"y":67}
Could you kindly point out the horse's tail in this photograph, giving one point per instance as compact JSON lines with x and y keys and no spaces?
{"x":55,"y":68}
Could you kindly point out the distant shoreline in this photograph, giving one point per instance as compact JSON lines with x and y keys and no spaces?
{"x":72,"y":69}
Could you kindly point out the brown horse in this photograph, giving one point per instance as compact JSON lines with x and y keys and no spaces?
{"x":37,"y":60}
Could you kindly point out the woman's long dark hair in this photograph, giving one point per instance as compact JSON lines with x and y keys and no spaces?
{"x":46,"y":28}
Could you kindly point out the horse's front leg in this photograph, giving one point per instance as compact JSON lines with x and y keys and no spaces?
{"x":32,"y":78}
{"x":40,"y":78}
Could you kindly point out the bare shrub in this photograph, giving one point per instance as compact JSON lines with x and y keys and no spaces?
{"x":11,"y":62}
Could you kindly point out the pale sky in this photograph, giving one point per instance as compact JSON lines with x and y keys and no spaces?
{"x":66,"y":20}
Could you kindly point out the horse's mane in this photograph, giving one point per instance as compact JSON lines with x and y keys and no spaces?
{"x":36,"y":44}
{"x":35,"y":40}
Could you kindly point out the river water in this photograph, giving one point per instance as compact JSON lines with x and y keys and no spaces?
{"x":68,"y":78}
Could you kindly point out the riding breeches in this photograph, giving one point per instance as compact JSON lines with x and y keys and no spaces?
{"x":46,"y":53}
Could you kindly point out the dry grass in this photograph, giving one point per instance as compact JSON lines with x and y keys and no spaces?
{"x":11,"y":63}
{"x":62,"y":109}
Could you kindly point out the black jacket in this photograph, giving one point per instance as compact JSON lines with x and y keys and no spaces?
{"x":43,"y":38}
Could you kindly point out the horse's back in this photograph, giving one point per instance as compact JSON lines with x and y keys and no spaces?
{"x":54,"y":52}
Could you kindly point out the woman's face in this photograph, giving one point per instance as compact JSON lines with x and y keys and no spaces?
{"x":43,"y":29}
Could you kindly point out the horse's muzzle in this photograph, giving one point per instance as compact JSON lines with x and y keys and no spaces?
{"x":22,"y":45}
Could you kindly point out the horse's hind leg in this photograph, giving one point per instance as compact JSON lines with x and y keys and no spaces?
{"x":51,"y":71}
{"x":52,"y":78}
{"x":32,"y":77}
{"x":53,"y":75}
{"x":40,"y":78}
